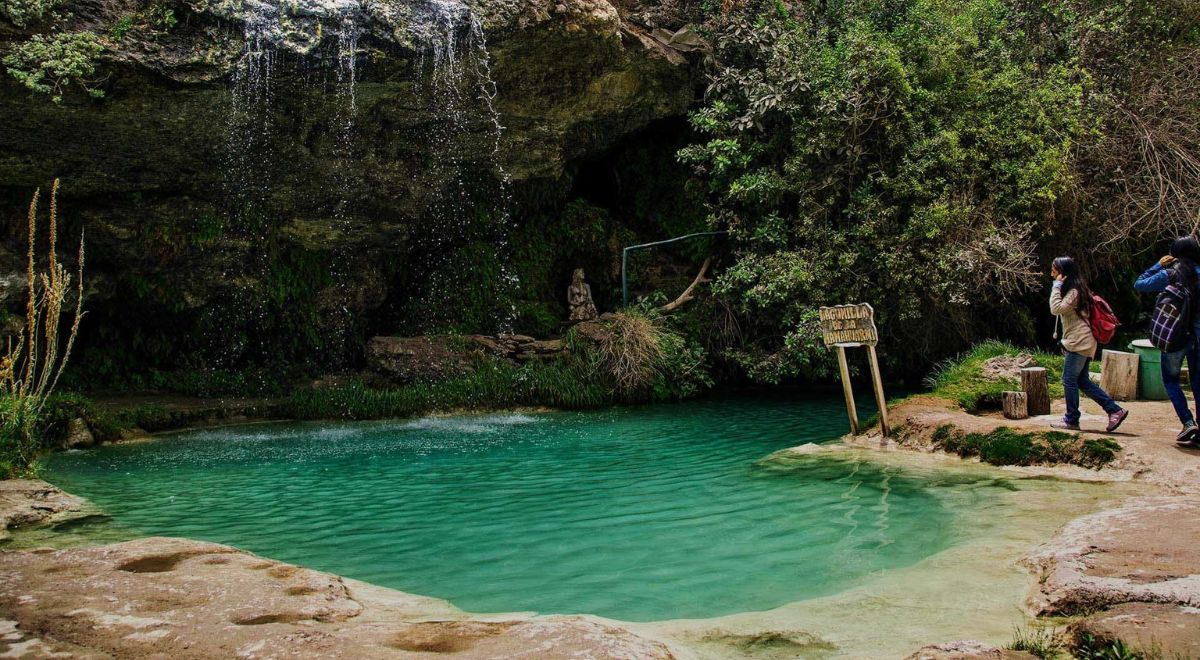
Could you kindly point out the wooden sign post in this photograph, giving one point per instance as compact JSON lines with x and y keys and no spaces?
{"x":848,"y":326}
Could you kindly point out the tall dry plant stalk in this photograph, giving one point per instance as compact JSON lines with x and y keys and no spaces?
{"x":31,"y":366}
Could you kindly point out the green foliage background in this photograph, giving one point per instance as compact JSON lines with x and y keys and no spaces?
{"x":920,"y":155}
{"x":925,"y":156}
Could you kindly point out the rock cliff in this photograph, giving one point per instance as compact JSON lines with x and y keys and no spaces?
{"x":272,"y":176}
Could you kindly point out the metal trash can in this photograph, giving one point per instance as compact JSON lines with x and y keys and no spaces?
{"x":1150,"y":385}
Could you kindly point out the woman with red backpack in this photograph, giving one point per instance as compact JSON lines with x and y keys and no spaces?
{"x":1174,"y":331}
{"x":1071,"y":301}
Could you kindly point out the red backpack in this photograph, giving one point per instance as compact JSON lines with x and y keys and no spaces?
{"x":1102,"y":320}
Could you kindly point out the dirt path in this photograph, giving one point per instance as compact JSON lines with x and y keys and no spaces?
{"x":1148,"y":450}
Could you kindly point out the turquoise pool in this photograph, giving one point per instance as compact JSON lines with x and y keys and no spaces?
{"x":638,"y":514}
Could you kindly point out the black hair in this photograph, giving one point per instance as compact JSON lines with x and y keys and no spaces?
{"x":1074,"y":281}
{"x":1186,"y":251}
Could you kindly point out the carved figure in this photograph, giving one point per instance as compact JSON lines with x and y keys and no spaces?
{"x":579,"y":299}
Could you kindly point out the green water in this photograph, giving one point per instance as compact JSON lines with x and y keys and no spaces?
{"x":639,"y":514}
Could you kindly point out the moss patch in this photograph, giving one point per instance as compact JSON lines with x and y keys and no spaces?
{"x":1005,"y":446}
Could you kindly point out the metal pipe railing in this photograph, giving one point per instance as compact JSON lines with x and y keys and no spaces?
{"x":625,"y":257}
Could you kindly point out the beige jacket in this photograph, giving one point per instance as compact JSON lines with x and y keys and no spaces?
{"x":1076,"y":333}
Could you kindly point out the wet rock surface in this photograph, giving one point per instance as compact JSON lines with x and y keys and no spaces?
{"x":79,"y":436}
{"x":230,"y":183}
{"x":426,"y":359}
{"x":190,"y":599}
{"x":1150,"y":629}
{"x":1144,"y":551}
{"x":29,"y":502}
{"x":968,"y":650}
{"x":418,"y":359}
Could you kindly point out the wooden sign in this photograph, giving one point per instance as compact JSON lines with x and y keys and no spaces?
{"x":849,"y":325}
{"x":846,"y":326}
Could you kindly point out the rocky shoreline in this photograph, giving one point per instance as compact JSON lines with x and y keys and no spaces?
{"x":167,"y":597}
{"x":30,"y":502}
{"x":1129,"y":572}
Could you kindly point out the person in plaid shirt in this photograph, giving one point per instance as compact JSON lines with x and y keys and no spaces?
{"x":1179,"y":268}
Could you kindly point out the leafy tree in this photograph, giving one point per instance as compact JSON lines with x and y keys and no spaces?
{"x":906,"y":153}
{"x":49,"y":64}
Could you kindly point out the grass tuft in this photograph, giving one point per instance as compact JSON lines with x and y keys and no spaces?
{"x":960,"y":379}
{"x":1041,"y":642}
{"x":1089,"y":647}
{"x":492,"y":384}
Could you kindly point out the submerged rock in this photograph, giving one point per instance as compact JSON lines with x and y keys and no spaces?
{"x":28,"y":502}
{"x":180,"y":598}
{"x":768,"y":645}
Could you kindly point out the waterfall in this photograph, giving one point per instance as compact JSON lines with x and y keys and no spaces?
{"x":271,"y":29}
{"x":315,"y":45}
{"x":455,"y":67}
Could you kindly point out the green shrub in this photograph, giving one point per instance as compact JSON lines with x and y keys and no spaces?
{"x":1007,"y":447}
{"x":122,"y":26}
{"x":24,"y":12}
{"x":1099,"y":451}
{"x":644,"y":358}
{"x":905,"y":154}
{"x":943,"y":433}
{"x":20,"y":437}
{"x":683,"y":370}
{"x":1089,"y":647}
{"x":51,"y":64}
{"x":492,"y":384}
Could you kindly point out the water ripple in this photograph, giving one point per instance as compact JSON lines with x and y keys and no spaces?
{"x":637,"y":514}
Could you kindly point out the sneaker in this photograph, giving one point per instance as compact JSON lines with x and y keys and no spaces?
{"x":1187,"y":436}
{"x":1064,"y":425}
{"x":1115,"y":419}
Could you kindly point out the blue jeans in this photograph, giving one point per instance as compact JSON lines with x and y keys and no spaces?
{"x":1075,"y":380}
{"x":1172,"y":366}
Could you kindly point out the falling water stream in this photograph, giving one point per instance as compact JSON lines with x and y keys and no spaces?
{"x":316,"y":45}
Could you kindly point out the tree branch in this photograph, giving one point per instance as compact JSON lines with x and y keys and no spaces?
{"x":689,"y":292}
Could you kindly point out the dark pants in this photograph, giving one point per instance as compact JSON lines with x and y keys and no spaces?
{"x":1075,"y":380}
{"x":1172,"y":366}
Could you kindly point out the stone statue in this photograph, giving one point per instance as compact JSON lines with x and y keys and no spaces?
{"x":579,"y":299}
